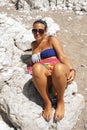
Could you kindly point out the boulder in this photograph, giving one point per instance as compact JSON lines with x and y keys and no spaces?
{"x":22,"y":104}
{"x":4,"y":126}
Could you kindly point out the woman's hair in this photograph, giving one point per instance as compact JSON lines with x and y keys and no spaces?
{"x":42,"y":22}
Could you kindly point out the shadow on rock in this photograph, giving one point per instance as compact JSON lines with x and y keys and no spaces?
{"x":26,"y":59}
{"x":29,"y":89}
{"x":6,"y":119}
{"x":31,"y":93}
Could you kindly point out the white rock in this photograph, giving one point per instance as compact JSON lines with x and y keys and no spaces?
{"x":4,"y":126}
{"x":86,"y":89}
{"x":53,"y":7}
{"x":84,"y":8}
{"x":65,"y":8}
{"x":53,"y":28}
{"x":59,"y":7}
{"x":85,"y":126}
{"x":69,"y":18}
{"x":6,"y":75}
{"x":70,"y":5}
{"x":16,"y":30}
{"x":69,"y":8}
{"x":71,"y":89}
{"x":1,"y":67}
{"x":79,"y":12}
{"x":39,"y":4}
{"x":25,"y":113}
{"x":77,"y":8}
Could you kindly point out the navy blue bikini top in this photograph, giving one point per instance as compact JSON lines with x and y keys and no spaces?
{"x":48,"y":53}
{"x":44,"y":54}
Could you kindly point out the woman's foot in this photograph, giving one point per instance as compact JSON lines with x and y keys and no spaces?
{"x":59,"y":112}
{"x":47,"y":113}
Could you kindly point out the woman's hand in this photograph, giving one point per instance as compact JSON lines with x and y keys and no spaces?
{"x":71,"y":76}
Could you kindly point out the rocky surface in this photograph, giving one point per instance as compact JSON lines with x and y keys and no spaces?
{"x":78,"y":6}
{"x":20,"y":104}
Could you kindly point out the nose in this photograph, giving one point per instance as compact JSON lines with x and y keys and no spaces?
{"x":37,"y":32}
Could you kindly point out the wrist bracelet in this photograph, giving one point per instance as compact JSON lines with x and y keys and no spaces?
{"x":72,"y":70}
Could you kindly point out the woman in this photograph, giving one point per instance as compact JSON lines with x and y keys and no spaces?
{"x":51,"y":67}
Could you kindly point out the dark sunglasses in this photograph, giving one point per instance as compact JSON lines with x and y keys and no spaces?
{"x":40,"y":31}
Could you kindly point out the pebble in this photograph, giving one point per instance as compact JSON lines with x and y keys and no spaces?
{"x":86,"y":89}
{"x":69,"y":18}
{"x":83,"y":65}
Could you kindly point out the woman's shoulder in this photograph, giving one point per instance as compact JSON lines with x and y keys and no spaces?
{"x":33,"y":44}
{"x":54,"y":41}
{"x":52,"y":38}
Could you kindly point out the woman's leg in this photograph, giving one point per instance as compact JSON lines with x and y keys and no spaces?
{"x":59,"y":80}
{"x":40,"y":78}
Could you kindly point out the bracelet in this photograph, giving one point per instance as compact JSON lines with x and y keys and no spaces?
{"x":72,"y":70}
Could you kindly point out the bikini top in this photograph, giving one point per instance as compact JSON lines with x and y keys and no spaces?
{"x":44,"y":54}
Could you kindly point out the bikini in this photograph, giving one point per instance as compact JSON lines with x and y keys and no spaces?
{"x":47,"y":58}
{"x":44,"y":54}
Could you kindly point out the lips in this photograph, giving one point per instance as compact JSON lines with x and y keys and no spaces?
{"x":37,"y":36}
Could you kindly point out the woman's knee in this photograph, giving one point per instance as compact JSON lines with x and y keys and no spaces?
{"x":39,"y":70}
{"x":36,"y":68}
{"x":59,"y":69}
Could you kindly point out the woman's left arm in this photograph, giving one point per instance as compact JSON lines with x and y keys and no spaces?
{"x":63,"y":58}
{"x":60,"y":52}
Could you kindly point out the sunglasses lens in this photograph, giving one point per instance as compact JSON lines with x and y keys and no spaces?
{"x":34,"y":31}
{"x":40,"y":31}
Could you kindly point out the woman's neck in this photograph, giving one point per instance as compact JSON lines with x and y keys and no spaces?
{"x":41,"y":40}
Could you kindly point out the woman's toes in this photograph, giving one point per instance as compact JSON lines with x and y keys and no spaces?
{"x":47,"y":113}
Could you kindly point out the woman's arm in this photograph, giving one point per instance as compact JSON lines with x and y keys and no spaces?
{"x":60,"y":52}
{"x":63,"y":58}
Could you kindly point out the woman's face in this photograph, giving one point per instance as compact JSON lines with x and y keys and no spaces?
{"x":39,"y":31}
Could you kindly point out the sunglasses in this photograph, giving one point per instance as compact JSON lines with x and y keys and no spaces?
{"x":40,"y":31}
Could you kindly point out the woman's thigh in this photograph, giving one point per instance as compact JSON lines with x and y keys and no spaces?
{"x":39,"y":69}
{"x":60,"y":69}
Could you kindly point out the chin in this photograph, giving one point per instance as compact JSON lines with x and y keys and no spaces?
{"x":38,"y":38}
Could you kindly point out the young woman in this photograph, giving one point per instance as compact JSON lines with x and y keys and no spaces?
{"x":51,"y":67}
